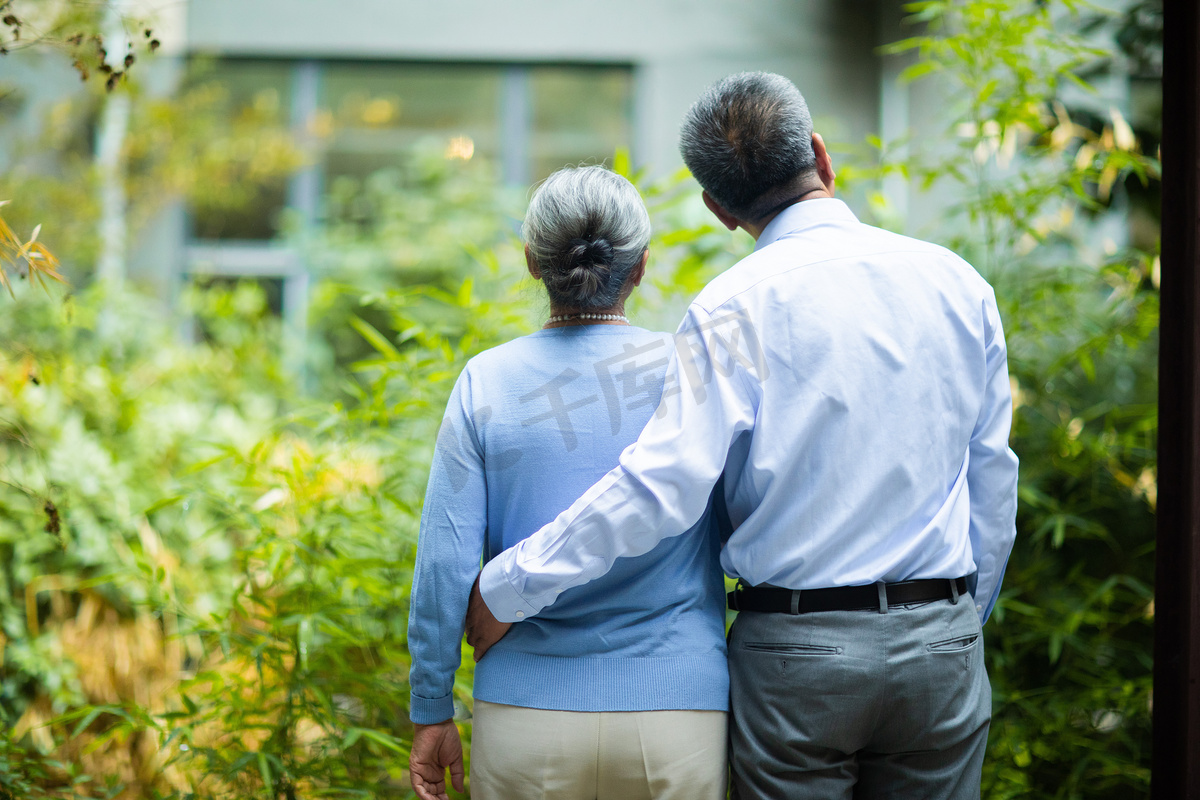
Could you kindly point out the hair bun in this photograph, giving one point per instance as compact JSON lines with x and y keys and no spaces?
{"x":586,"y":231}
{"x":586,"y":252}
{"x":584,"y":269}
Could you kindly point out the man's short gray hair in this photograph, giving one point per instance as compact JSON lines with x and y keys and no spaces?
{"x":586,"y":228}
{"x":748,"y":141}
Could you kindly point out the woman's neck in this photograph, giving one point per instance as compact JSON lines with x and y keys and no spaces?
{"x":566,"y":316}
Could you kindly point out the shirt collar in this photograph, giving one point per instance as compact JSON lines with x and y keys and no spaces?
{"x":804,"y":214}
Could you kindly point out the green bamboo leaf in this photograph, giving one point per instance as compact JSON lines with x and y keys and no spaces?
{"x":375,"y":338}
{"x":1060,"y":532}
{"x":1088,"y":365}
{"x":352,"y":736}
{"x":305,"y":641}
{"x":264,"y":769}
{"x":1080,"y":82}
{"x":162,"y":503}
{"x":1054,"y":646}
{"x":97,"y":742}
{"x":200,"y":466}
{"x":464,"y":293}
{"x":621,"y":163}
{"x":384,"y":740}
{"x":903,"y":46}
{"x":91,"y":716}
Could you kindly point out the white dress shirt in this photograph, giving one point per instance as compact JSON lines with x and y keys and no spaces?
{"x":852,"y":385}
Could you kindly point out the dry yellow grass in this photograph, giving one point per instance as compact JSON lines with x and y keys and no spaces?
{"x":119,"y":660}
{"x":139,"y":659}
{"x":31,"y":256}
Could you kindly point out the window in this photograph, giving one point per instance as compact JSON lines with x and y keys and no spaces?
{"x":373,"y":112}
{"x":579,"y":114}
{"x":362,"y":116}
{"x":248,"y":93}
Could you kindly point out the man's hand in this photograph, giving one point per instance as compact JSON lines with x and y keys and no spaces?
{"x":483,"y":629}
{"x":434,"y":748}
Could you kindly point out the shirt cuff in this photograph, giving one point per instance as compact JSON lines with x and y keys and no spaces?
{"x":505,"y":603}
{"x":430,"y":711}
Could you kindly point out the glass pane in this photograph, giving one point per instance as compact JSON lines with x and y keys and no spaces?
{"x":580,"y":114}
{"x":371,"y":113}
{"x":251,"y":90}
{"x":248,"y":96}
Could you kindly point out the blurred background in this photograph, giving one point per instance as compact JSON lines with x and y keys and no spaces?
{"x":282,"y":228}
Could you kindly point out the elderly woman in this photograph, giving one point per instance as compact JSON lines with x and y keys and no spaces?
{"x":620,"y":689}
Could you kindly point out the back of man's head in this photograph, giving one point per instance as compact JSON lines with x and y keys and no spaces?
{"x":748,"y":141}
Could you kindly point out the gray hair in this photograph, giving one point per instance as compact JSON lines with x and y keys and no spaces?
{"x":586,"y":229}
{"x":748,"y":141}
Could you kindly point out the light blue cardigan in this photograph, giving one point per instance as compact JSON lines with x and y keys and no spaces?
{"x":530,"y":426}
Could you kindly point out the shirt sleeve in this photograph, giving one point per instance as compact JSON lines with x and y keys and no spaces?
{"x":662,"y":483}
{"x":449,"y":550}
{"x":992,"y":472}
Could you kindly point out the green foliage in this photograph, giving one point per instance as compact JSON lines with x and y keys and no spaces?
{"x":182,"y":147}
{"x":73,"y":28}
{"x":445,"y":233}
{"x":28,"y":259}
{"x":102,"y":413}
{"x":426,"y":224}
{"x":297,"y":531}
{"x":190,"y":146}
{"x":247,"y":548}
{"x":1070,"y":641}
{"x":303,"y":689}
{"x":687,"y":247}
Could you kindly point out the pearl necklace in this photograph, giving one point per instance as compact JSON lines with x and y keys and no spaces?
{"x":608,"y":317}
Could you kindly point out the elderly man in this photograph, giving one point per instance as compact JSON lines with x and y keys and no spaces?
{"x":851,"y":386}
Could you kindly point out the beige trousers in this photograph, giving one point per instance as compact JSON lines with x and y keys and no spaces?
{"x":532,"y":754}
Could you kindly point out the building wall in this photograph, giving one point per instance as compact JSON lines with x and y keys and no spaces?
{"x":676,"y":46}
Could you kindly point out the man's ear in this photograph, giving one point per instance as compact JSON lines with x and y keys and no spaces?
{"x":727,"y":219}
{"x":532,"y":265}
{"x":824,"y":163}
{"x":639,"y":271}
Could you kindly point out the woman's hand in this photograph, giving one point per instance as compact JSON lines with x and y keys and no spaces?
{"x":483,"y":629}
{"x":435,"y":748}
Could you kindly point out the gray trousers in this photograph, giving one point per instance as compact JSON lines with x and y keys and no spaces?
{"x":842,"y":705}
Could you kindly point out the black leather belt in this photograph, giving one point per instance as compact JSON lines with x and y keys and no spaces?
{"x":845,"y":598}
